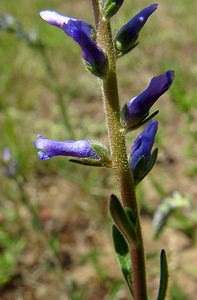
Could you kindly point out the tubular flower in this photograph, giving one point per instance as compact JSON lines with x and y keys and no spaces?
{"x":95,"y":60}
{"x":111,"y":7}
{"x":137,"y":109}
{"x":126,"y":37}
{"x":9,"y":165}
{"x":142,"y":146}
{"x":50,"y":148}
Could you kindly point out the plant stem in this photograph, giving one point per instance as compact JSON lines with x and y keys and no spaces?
{"x":118,"y":150}
{"x":95,"y":5}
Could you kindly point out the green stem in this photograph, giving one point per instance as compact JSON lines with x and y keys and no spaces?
{"x":95,"y":5}
{"x":118,"y":152}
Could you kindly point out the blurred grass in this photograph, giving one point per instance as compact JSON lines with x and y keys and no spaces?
{"x":30,"y":105}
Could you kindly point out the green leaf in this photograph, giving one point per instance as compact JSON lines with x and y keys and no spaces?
{"x":111,"y":7}
{"x":149,"y":117}
{"x":139,"y":170}
{"x":152,"y":160}
{"x":101,"y":150}
{"x":142,"y":168}
{"x":122,"y":221}
{"x":131,"y":215}
{"x":123,"y":255}
{"x":163,"y":276}
{"x":88,"y":162}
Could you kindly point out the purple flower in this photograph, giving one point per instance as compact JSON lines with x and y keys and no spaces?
{"x":8,"y":164}
{"x":138,"y":107}
{"x":126,"y":37}
{"x":82,"y":32}
{"x":6,"y":155}
{"x":50,"y":148}
{"x":142,"y":146}
{"x":111,"y":7}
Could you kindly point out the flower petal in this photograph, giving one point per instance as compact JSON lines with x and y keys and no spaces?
{"x":54,"y":18}
{"x":137,"y":109}
{"x":142,"y":146}
{"x":50,"y":148}
{"x":82,"y":32}
{"x":126,"y":37}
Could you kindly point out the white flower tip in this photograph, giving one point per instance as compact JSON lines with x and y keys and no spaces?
{"x":39,"y":142}
{"x":54,"y":18}
{"x":46,"y":14}
{"x":40,"y":136}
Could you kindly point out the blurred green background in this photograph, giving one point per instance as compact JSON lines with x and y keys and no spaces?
{"x":55,"y":239}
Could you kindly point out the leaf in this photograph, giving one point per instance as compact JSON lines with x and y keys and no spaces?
{"x":100,"y":150}
{"x":163,"y":276}
{"x":149,"y":117}
{"x":88,"y":162}
{"x":142,"y":168}
{"x":122,"y":221}
{"x":152,"y":160}
{"x":123,"y":255}
{"x":139,"y":170}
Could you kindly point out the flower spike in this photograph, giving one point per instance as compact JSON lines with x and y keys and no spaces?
{"x":127,"y":36}
{"x":137,"y":109}
{"x":82,"y":32}
{"x":141,"y":159}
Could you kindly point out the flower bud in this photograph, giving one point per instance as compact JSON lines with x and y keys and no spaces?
{"x":127,"y":36}
{"x":110,"y":7}
{"x":95,"y":59}
{"x":137,"y":109}
{"x":141,"y":159}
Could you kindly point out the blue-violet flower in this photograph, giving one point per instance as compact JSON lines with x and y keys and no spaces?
{"x":9,"y":165}
{"x":50,"y":148}
{"x":142,"y":146}
{"x":138,"y":107}
{"x":126,"y":37}
{"x":82,"y":32}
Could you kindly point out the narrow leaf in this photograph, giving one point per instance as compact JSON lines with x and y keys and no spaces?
{"x":88,"y":162}
{"x":150,"y":117}
{"x":131,"y":215}
{"x":122,"y":221}
{"x":123,"y":255}
{"x":139,"y":170}
{"x":163,"y":276}
{"x":152,"y":160}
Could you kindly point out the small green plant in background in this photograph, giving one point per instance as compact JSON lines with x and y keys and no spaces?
{"x":12,"y":242}
{"x":33,"y":41}
{"x":178,"y":212}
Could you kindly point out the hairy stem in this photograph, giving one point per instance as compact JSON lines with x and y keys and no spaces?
{"x":117,"y":144}
{"x":95,"y":5}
